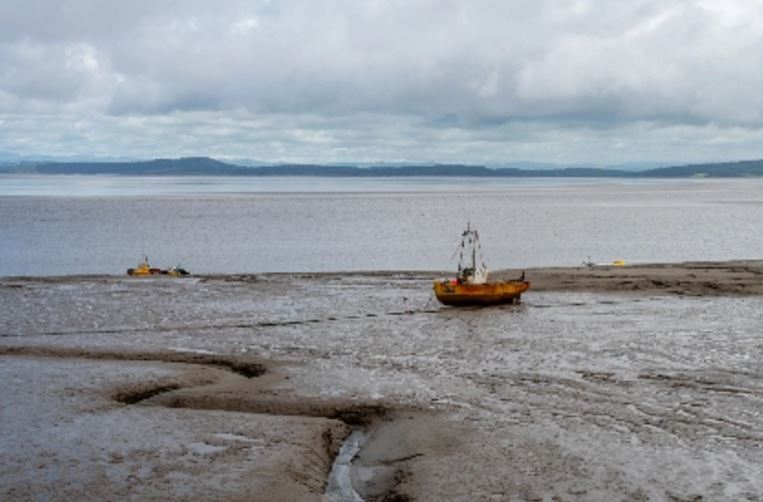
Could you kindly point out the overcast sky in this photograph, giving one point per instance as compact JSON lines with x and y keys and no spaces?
{"x":480,"y":81}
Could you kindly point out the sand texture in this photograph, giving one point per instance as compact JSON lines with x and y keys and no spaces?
{"x":696,"y":278}
{"x":641,"y":382}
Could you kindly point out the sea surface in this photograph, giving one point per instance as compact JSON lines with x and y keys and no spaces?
{"x":59,"y":225}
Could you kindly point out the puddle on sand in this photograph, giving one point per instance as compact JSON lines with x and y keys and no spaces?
{"x":339,"y":488}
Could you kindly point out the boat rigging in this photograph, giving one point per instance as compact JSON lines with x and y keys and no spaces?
{"x":471,"y":286}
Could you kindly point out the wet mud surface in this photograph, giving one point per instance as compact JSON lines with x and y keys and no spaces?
{"x":246,"y":387}
{"x":744,"y":277}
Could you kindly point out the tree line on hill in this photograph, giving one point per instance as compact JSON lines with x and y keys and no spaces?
{"x":204,"y":166}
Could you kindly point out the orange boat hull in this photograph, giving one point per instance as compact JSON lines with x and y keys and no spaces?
{"x":492,"y":293}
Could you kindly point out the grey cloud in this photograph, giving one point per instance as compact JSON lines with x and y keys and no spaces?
{"x":410,"y":73}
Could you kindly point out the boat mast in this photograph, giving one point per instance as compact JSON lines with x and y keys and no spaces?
{"x":474,"y":252}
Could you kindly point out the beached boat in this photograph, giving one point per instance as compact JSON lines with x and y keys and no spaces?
{"x":176,"y":271}
{"x":471,"y":285}
{"x":144,"y":269}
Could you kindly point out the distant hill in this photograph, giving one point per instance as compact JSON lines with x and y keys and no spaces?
{"x":745,"y":168}
{"x":204,"y":166}
{"x":158,"y":167}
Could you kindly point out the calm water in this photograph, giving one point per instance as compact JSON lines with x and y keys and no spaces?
{"x":103,"y":224}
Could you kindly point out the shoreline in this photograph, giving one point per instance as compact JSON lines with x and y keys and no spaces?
{"x":694,"y":278}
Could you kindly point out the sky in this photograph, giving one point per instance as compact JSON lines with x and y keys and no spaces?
{"x":596,"y":82}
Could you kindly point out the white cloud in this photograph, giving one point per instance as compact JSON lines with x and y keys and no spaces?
{"x":442,"y":79}
{"x":244,"y":26}
{"x":82,"y":58}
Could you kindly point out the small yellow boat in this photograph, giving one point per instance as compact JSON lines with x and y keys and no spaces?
{"x":471,"y":286}
{"x":144,"y":269}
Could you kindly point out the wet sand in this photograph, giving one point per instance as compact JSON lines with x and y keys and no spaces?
{"x":695,"y":278}
{"x":607,"y":383}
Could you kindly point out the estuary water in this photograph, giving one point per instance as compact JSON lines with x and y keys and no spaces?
{"x":59,"y":225}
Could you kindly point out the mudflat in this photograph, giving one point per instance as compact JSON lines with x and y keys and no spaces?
{"x":695,"y":278}
{"x":640,"y":382}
